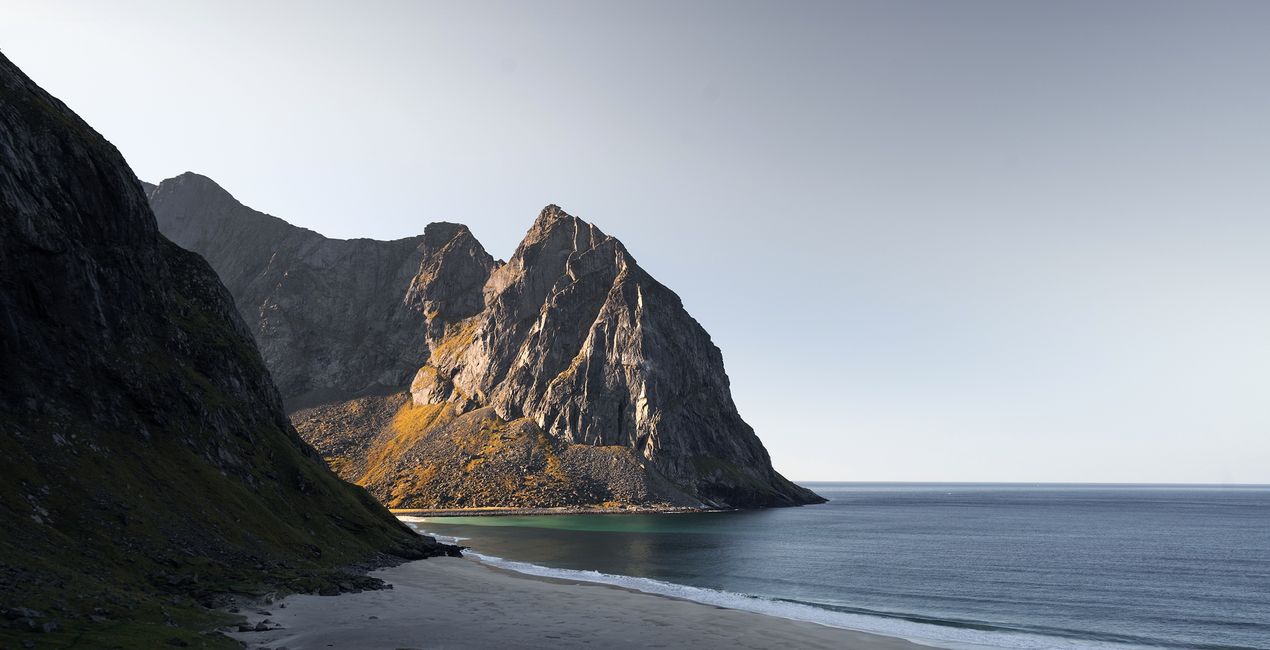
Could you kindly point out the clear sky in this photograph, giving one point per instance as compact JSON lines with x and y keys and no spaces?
{"x":940,"y":240}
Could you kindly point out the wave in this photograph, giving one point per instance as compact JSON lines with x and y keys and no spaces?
{"x":956,"y":635}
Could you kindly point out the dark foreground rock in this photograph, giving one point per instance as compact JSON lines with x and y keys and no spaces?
{"x":147,"y":469}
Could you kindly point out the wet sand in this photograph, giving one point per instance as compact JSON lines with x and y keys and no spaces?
{"x":462,"y":603}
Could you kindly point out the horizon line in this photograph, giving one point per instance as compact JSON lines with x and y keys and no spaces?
{"x":1042,"y":483}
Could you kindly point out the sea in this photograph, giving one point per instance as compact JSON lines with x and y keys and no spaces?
{"x":950,"y":565}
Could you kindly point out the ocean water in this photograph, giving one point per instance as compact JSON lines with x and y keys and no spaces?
{"x":958,"y":565}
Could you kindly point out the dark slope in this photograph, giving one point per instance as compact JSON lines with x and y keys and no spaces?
{"x":146,"y":464}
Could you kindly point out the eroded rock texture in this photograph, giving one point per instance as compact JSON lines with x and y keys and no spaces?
{"x":570,"y":345}
{"x":334,"y":319}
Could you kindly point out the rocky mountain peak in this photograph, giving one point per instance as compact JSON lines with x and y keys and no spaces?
{"x":439,"y":233}
{"x":334,"y":318}
{"x":197,"y":186}
{"x":570,"y":344}
{"x":550,"y":213}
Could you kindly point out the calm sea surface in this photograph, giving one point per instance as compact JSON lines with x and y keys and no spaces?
{"x":957,"y":565}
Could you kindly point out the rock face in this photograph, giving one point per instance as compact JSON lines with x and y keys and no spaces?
{"x":334,"y":319}
{"x":578,"y":338}
{"x":522,"y":372}
{"x":146,"y":462}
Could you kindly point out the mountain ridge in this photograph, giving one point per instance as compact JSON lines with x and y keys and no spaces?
{"x":571,"y":344}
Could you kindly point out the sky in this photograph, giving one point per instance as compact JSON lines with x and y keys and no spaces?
{"x":936,"y":241}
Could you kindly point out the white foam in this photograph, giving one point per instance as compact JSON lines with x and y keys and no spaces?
{"x":414,"y":522}
{"x":939,"y":636}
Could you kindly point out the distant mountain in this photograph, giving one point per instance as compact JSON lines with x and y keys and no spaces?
{"x":147,"y":467}
{"x":438,"y":377}
{"x":334,"y":319}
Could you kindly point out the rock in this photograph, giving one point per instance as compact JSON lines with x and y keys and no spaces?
{"x":262,"y":626}
{"x":50,"y":627}
{"x":245,"y":627}
{"x":329,"y":590}
{"x":22,"y":612}
{"x":122,"y":355}
{"x":610,"y":391}
{"x":334,"y":318}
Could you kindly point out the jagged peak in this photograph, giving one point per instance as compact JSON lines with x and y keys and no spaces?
{"x":551,"y":214}
{"x":440,"y":232}
{"x":551,"y":220}
{"x":191,"y":181}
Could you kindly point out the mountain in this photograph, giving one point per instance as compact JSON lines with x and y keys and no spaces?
{"x":147,"y":467}
{"x":334,"y":319}
{"x":566,"y":377}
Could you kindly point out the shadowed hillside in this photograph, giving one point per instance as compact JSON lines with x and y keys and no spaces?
{"x":146,"y":465}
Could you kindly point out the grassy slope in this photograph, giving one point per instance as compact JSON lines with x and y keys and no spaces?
{"x":146,"y":467}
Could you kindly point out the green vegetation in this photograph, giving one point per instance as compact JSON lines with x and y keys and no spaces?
{"x":126,"y":523}
{"x":721,"y":477}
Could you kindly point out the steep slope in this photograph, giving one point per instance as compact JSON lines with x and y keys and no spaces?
{"x":334,"y":319}
{"x":568,"y":376}
{"x":579,"y":339}
{"x":146,"y":464}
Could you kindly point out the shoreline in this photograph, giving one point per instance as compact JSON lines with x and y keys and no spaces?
{"x":469,"y":603}
{"x":498,"y":511}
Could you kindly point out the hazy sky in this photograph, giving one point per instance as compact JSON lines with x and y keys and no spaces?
{"x":935,"y":240}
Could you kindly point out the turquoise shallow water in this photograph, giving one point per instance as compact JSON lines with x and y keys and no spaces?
{"x":959,"y":565}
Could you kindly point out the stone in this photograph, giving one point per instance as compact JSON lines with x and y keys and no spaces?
{"x":568,"y":376}
{"x":334,"y":319}
{"x":122,"y":355}
{"x":22,"y":612}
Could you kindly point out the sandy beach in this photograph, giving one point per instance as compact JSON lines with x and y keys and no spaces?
{"x":462,"y":603}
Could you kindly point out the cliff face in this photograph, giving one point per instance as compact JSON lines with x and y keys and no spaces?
{"x":579,"y":339}
{"x":146,"y":463}
{"x":335,"y":319}
{"x":567,"y":376}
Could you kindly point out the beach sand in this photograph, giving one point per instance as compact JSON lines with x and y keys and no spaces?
{"x":462,"y":603}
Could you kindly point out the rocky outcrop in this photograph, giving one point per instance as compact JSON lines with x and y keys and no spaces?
{"x":568,"y":348}
{"x":334,"y":319}
{"x":580,"y":340}
{"x":439,"y":456}
{"x":146,"y":464}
